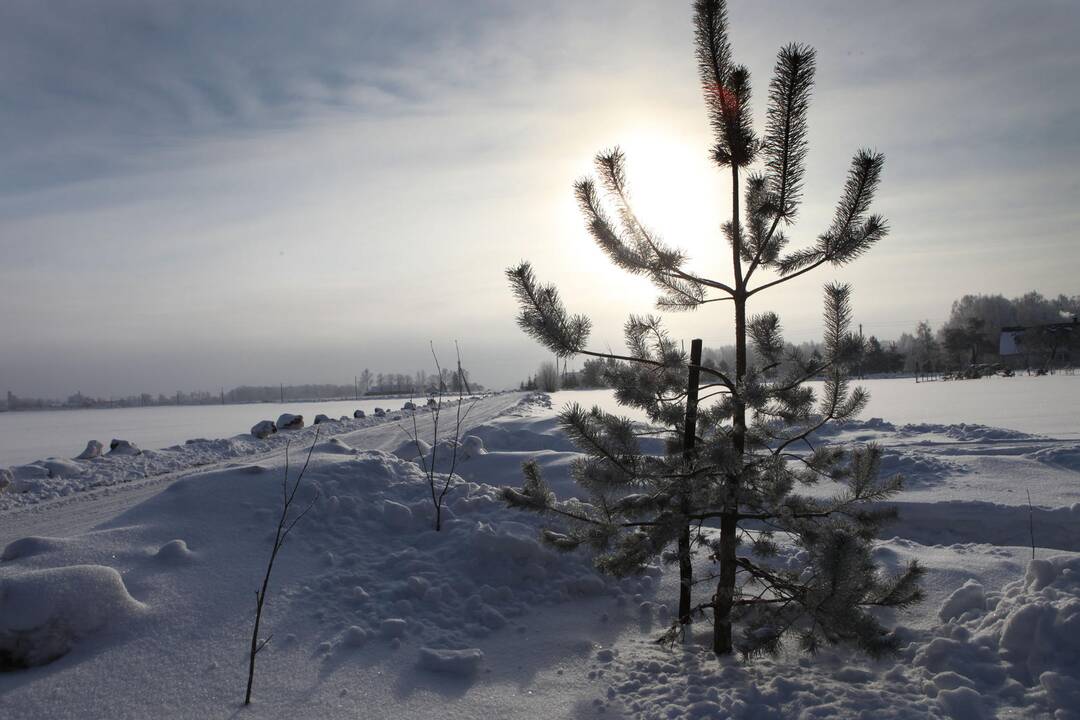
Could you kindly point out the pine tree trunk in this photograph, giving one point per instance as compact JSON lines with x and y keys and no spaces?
{"x":686,"y":567}
{"x":724,"y":600}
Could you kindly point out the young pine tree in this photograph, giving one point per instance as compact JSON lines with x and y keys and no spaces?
{"x":734,"y":482}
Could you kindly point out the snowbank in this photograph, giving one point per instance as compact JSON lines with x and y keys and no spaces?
{"x":1018,"y":647}
{"x":374,"y":613}
{"x":33,"y":483}
{"x":44,"y":612}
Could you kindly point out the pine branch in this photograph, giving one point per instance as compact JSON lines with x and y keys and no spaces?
{"x":785,"y":145}
{"x":726,"y":86}
{"x":543,"y":315}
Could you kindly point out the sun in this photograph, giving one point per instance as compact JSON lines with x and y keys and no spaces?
{"x":676,"y":190}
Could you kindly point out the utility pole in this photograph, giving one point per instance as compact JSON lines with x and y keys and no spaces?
{"x":282,"y":393}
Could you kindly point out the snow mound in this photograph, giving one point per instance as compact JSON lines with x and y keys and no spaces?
{"x":33,"y":545}
{"x":26,"y":478}
{"x":967,"y":432}
{"x":386,"y":572}
{"x":451,"y":662}
{"x":335,"y":446}
{"x":530,"y":404}
{"x":43,"y":613}
{"x":123,"y":447}
{"x":31,"y":471}
{"x":93,"y":450}
{"x":919,"y":469}
{"x":1019,"y":647}
{"x":1067,"y":457}
{"x":969,"y":597}
{"x":874,"y":424}
{"x":59,"y":467}
{"x":409,"y":452}
{"x":263,"y":429}
{"x":174,"y":551}
{"x":472,"y":447}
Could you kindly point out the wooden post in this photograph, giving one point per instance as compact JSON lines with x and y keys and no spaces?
{"x":686,"y":568}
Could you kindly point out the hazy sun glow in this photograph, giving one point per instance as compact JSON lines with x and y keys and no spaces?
{"x":675,"y":189}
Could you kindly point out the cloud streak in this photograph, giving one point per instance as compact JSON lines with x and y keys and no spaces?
{"x":192,"y":180}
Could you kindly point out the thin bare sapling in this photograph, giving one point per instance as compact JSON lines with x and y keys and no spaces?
{"x":286,"y":522}
{"x":439,"y":483}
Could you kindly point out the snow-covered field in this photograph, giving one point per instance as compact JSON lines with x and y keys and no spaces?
{"x":1039,"y":405}
{"x":144,"y":586}
{"x":29,"y":436}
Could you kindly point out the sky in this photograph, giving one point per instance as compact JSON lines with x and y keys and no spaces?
{"x":198,"y":194}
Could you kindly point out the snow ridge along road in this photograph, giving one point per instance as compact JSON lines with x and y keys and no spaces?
{"x":83,"y":510}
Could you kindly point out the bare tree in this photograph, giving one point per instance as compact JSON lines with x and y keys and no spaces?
{"x":284,"y":527}
{"x":547,"y":377}
{"x":440,"y":486}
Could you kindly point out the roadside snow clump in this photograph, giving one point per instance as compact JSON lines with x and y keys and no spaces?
{"x":288,"y":421}
{"x":263,"y":429}
{"x":123,"y":447}
{"x":59,"y":467}
{"x":93,"y":450}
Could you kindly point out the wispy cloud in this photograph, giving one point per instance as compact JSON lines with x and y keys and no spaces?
{"x":356,"y":174}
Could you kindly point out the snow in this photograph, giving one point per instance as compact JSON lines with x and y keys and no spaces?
{"x":33,"y":483}
{"x":373,"y":613}
{"x":174,"y":551}
{"x":28,"y":436}
{"x":44,"y":612}
{"x":1032,"y":405}
{"x":454,"y":662}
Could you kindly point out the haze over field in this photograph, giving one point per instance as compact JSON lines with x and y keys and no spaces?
{"x":198,"y":195}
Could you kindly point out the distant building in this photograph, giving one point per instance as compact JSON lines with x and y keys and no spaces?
{"x":1050,"y":341}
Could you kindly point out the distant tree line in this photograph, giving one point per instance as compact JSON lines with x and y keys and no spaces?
{"x":970,"y":337}
{"x":366,"y":383}
{"x":549,"y":377}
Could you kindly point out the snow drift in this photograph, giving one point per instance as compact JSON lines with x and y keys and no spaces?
{"x":44,"y":612}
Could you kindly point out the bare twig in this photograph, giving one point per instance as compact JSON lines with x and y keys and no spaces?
{"x":284,"y":527}
{"x":1031,"y":524}
{"x":439,"y":490}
